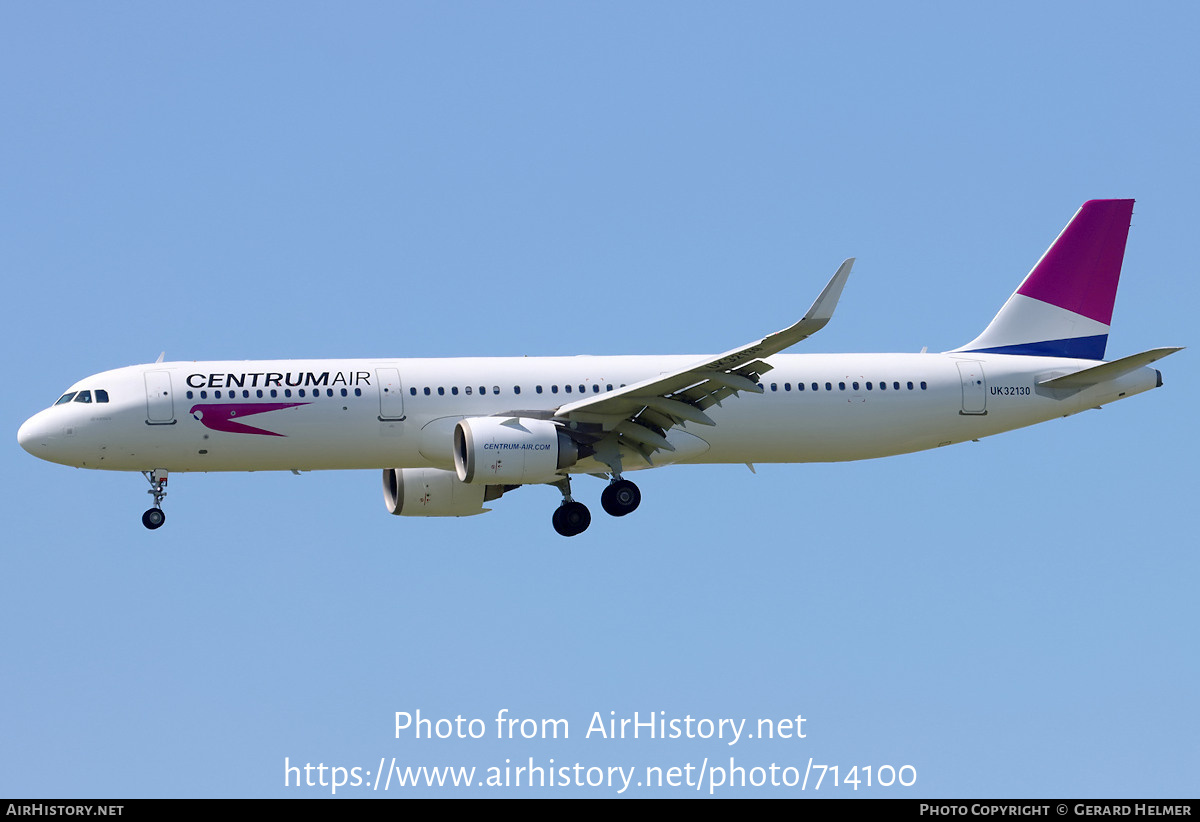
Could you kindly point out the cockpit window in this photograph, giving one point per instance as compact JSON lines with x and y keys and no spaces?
{"x":83,"y":396}
{"x":65,"y":398}
{"x":101,"y":395}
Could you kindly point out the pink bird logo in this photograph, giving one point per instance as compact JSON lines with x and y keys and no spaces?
{"x":219,"y":416}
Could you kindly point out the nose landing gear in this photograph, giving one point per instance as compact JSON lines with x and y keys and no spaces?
{"x":155,"y":517}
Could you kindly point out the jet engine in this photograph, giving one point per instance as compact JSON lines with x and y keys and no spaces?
{"x":511,"y":450}
{"x":432,"y":492}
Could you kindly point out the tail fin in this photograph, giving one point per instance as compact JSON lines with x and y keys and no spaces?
{"x":1064,"y":306}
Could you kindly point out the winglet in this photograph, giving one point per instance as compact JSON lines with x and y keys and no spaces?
{"x":822,"y":308}
{"x":817,"y":317}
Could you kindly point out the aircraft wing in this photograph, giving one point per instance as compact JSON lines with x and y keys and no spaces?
{"x":639,"y":415}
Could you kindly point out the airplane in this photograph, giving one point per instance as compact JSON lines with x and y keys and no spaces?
{"x":453,"y":434}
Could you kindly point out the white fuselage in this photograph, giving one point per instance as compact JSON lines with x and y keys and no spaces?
{"x":400,"y":413}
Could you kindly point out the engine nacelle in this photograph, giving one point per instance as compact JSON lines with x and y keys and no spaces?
{"x":510,"y":450}
{"x":432,"y":492}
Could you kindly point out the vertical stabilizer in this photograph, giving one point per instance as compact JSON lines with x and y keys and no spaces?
{"x":1064,"y":306}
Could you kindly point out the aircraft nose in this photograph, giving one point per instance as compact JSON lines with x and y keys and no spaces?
{"x":34,"y":434}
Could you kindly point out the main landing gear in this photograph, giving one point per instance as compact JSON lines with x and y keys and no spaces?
{"x":621,"y":497}
{"x":155,"y":517}
{"x":571,"y":518}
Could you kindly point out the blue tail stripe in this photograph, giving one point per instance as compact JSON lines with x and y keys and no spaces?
{"x":1081,"y":348}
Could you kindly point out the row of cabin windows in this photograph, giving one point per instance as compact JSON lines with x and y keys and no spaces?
{"x":568,"y":389}
{"x":274,"y":392}
{"x":102,"y":396}
{"x":871,"y":386}
{"x":84,"y":396}
{"x":483,"y":389}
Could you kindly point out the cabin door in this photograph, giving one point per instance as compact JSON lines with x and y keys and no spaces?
{"x":160,"y":405}
{"x":391,"y":396}
{"x":974,"y":387}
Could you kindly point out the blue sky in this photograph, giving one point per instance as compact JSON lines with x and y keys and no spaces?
{"x":1015,"y":617}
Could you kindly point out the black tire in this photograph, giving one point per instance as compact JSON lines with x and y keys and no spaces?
{"x":620,"y":498}
{"x":571,"y":518}
{"x":154,"y":518}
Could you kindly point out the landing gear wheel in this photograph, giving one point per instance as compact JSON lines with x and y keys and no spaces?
{"x":571,"y":518}
{"x":620,"y":498}
{"x":154,"y":518}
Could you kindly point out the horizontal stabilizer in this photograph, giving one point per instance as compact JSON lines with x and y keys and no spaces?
{"x":1108,"y":371}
